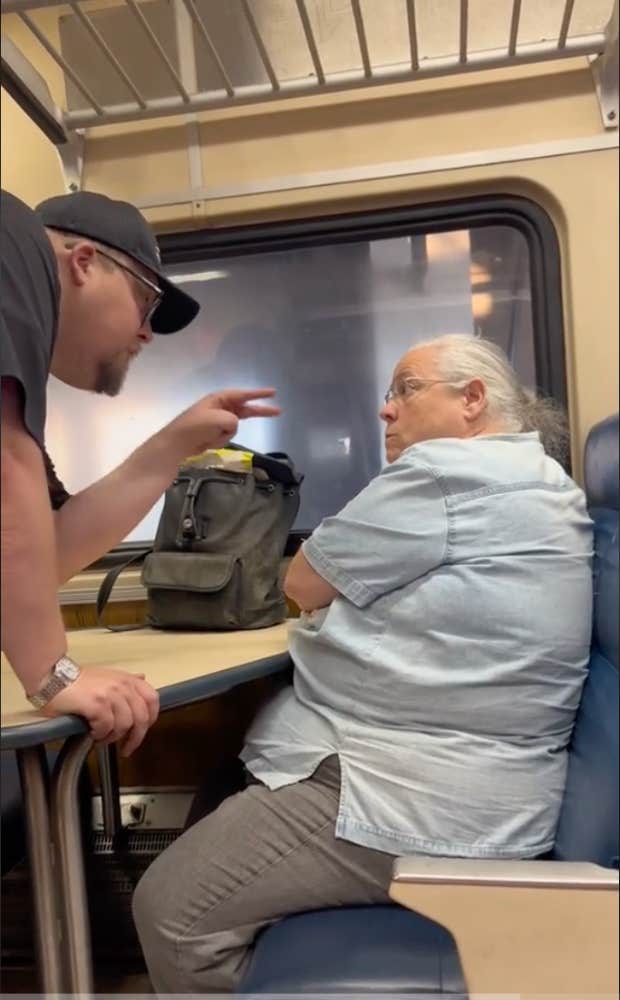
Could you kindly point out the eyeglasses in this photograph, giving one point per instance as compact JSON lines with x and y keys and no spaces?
{"x":157,"y":292}
{"x":403,"y":388}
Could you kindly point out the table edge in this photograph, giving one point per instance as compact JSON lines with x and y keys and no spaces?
{"x":171,"y":696}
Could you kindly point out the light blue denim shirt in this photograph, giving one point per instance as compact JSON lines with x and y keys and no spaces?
{"x":447,"y":675}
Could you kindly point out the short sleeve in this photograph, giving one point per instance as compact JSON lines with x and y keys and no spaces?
{"x":28,"y":308}
{"x":393,"y":532}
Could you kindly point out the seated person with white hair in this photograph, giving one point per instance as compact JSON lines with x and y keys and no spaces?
{"x":438,"y":666}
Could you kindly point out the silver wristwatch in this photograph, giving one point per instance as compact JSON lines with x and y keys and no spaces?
{"x":64,"y":673}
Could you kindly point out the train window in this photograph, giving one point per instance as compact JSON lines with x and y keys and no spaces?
{"x":322,"y":312}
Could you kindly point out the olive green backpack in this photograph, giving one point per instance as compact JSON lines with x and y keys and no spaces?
{"x":215,"y":563}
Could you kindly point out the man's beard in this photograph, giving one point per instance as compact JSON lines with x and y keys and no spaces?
{"x":111,"y":376}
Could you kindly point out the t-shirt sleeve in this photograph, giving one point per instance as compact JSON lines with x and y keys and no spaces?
{"x":28,"y":308}
{"x":393,"y":532}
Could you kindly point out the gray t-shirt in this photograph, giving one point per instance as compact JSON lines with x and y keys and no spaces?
{"x":29,"y":298}
{"x":447,"y":674}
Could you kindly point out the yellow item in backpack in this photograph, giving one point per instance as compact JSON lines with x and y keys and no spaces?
{"x":222,"y":458}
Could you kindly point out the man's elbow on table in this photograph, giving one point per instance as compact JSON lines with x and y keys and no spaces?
{"x":306,"y":587}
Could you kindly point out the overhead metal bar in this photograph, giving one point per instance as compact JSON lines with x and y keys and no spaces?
{"x":463,"y":26}
{"x":71,"y":156}
{"x":514,"y":27}
{"x":361,"y":37}
{"x":186,"y":57}
{"x":14,"y":6}
{"x":350,"y":80}
{"x":186,"y":52}
{"x":142,"y":21}
{"x":260,"y":45}
{"x":413,"y":35}
{"x":204,"y":34}
{"x":64,"y":65}
{"x":566,"y":17}
{"x":102,"y":44}
{"x":605,"y":71}
{"x":28,"y":88}
{"x":312,"y":47}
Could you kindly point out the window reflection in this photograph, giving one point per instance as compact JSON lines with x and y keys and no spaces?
{"x":323,"y":325}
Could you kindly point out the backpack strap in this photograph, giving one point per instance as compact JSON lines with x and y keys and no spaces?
{"x":106,"y":589}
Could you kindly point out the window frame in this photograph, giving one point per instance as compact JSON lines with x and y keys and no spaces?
{"x":517,"y":212}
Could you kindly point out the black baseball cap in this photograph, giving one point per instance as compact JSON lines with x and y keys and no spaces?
{"x":120,"y":226}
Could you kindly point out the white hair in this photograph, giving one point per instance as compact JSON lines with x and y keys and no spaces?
{"x":461,"y":358}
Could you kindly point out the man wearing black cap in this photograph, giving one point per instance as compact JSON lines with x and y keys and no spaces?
{"x":82,"y":293}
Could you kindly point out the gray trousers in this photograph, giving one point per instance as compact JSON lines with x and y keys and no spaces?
{"x":260,"y":856}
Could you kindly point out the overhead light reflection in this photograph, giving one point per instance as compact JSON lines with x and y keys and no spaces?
{"x":481,"y":304}
{"x":186,"y":279}
{"x":447,"y":246}
{"x":479,"y":274}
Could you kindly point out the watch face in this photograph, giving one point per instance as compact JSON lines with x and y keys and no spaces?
{"x":67,"y":669}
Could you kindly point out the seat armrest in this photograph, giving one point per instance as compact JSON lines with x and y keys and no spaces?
{"x":533,"y":874}
{"x":521,"y":927}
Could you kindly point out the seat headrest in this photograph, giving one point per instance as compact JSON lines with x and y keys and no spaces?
{"x":601,"y":464}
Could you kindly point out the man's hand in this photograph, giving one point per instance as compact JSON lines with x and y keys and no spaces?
{"x":214,"y":419}
{"x":117,"y":705}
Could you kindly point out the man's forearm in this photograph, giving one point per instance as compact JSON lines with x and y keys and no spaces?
{"x":94,"y":521}
{"x":33,"y":634}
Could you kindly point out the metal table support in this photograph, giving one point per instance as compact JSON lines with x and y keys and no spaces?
{"x":52,"y":813}
{"x":33,"y":771}
{"x":73,"y":902}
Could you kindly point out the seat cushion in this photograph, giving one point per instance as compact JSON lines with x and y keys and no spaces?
{"x":601,"y":464}
{"x":605,"y":623}
{"x":588,"y":826}
{"x":355,"y":950}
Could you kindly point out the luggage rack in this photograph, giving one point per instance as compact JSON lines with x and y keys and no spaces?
{"x":194,"y":23}
{"x":124,"y":61}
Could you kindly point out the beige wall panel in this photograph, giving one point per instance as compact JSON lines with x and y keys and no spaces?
{"x":131,"y":166}
{"x":30,"y":163}
{"x":31,"y":167}
{"x":396,"y":123}
{"x":459,"y":120}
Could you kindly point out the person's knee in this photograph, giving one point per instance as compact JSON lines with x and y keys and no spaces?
{"x":151,"y":908}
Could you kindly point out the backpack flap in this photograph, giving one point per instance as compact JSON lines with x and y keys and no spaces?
{"x":202,"y":591}
{"x":191,"y":571}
